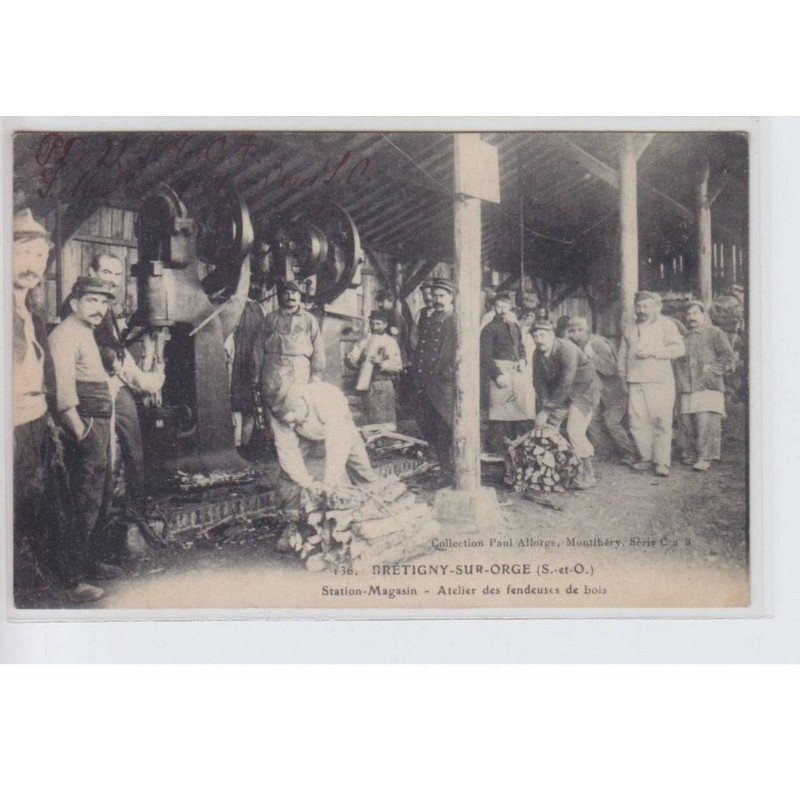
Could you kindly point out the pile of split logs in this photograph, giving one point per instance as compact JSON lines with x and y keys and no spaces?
{"x":541,"y":461}
{"x":376,"y":523}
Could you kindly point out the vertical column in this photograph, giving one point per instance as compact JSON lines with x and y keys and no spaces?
{"x":704,"y":245}
{"x":629,"y":229}
{"x":466,"y":428}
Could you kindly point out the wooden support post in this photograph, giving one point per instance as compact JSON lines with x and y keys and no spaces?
{"x":468,"y":505}
{"x":704,"y":245}
{"x":466,"y":428}
{"x":629,"y":229}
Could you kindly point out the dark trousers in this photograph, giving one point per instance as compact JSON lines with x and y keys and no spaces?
{"x":82,"y":544}
{"x":129,"y":437}
{"x":436,"y":430}
{"x":32,"y":555}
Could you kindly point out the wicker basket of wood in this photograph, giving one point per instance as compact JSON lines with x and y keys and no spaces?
{"x":377,"y":523}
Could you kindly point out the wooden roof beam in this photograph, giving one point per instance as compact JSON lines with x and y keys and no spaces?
{"x":589,"y":162}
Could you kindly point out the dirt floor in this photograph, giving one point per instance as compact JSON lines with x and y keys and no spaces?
{"x":634,"y":541}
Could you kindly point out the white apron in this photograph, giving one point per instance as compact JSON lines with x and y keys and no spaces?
{"x":516,"y":401}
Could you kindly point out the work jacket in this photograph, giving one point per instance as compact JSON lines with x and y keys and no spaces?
{"x":565,"y":375}
{"x":709,"y":356}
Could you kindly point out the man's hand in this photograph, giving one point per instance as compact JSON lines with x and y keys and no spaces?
{"x":541,"y":421}
{"x":501,"y":381}
{"x":521,"y":364}
{"x":642,"y":352}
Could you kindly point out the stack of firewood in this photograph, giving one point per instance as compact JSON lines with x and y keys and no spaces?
{"x":541,"y":461}
{"x":376,"y":523}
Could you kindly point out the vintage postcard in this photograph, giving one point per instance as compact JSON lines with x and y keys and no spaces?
{"x":391,"y":371}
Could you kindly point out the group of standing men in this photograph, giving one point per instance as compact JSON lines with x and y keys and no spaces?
{"x":582,"y":382}
{"x":74,"y":406}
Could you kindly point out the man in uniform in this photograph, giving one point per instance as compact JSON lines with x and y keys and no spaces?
{"x":433,"y":372}
{"x":567,"y":388}
{"x":645,"y":361}
{"x":85,"y":407}
{"x":614,"y":400}
{"x":33,"y":393}
{"x":506,"y":386}
{"x":699,"y":373}
{"x":303,"y":414}
{"x":131,"y":380}
{"x":288,"y":347}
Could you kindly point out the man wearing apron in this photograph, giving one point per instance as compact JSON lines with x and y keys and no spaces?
{"x":506,"y":378}
{"x":288,"y":348}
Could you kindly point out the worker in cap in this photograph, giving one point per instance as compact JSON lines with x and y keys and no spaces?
{"x":567,"y":392}
{"x":33,"y":401}
{"x":85,"y":410}
{"x":304,"y":414}
{"x":646,"y":353}
{"x":128,"y":382}
{"x":507,"y":394}
{"x":701,"y":387}
{"x":288,"y":347}
{"x":433,"y":375}
{"x":379,"y":362}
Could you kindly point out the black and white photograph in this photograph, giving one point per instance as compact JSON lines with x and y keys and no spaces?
{"x":401,"y":371}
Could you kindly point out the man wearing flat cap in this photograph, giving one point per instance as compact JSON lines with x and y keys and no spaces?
{"x":433,"y":372}
{"x":85,"y":405}
{"x":378,"y":361}
{"x":646,"y":353}
{"x":701,"y":385}
{"x":288,"y":347}
{"x":506,"y":387}
{"x":33,"y":397}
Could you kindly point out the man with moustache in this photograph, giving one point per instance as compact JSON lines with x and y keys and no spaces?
{"x":699,"y":374}
{"x":646,"y":353}
{"x":433,"y":372}
{"x":33,"y":394}
{"x":288,"y":346}
{"x":84,"y":405}
{"x":130,"y":381}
